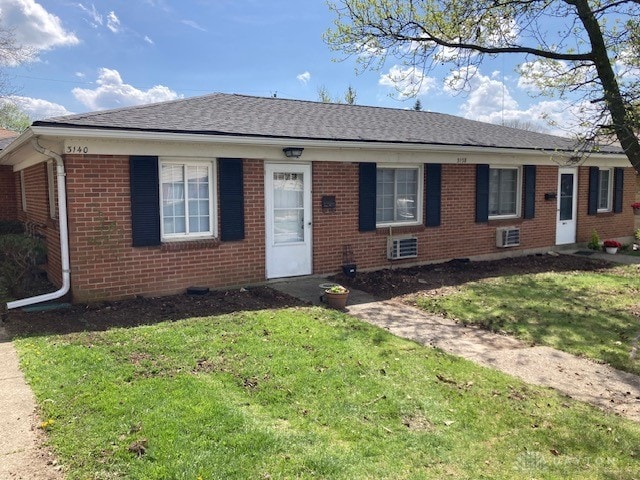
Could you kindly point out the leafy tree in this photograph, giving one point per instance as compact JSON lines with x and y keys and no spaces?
{"x":350,"y":96}
{"x":323,"y":95}
{"x":522,"y":125}
{"x":418,"y":105}
{"x":12,"y":118}
{"x":11,"y":54}
{"x":568,"y":47}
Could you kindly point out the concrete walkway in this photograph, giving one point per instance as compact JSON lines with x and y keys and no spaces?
{"x":579,"y":378}
{"x":22,"y":455}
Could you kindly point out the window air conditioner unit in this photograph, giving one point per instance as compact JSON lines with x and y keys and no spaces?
{"x":507,"y":237}
{"x":402,"y":247}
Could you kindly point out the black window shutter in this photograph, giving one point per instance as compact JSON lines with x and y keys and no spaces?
{"x":367,"y":197}
{"x":618,"y":179}
{"x":482,"y":193}
{"x":145,"y":200}
{"x":231,"y":199}
{"x":529,"y":191}
{"x":594,"y":177}
{"x":433,"y":196}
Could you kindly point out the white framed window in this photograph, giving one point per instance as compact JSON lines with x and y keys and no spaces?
{"x":51,"y":186}
{"x":505,"y":187}
{"x":187,"y":200}
{"x":398,"y":195}
{"x":605,"y":189}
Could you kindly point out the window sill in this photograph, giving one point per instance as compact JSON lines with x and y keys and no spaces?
{"x":184,"y":245}
{"x":398,"y":225}
{"x":505,"y":221}
{"x":400,"y":229}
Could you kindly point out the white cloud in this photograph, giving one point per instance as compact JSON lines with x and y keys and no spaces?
{"x":113,"y":22}
{"x":148,"y":40}
{"x":38,"y":109}
{"x":489,"y":100}
{"x":33,"y":26}
{"x":95,"y":19}
{"x":112,"y":92}
{"x":627,"y":65}
{"x":194,"y":25}
{"x":304,"y":77}
{"x":408,"y":82}
{"x":486,"y":94}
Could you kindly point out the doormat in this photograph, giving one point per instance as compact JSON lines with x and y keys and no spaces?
{"x":585,"y":252}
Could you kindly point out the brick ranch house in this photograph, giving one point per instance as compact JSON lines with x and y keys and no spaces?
{"x":227,"y":190}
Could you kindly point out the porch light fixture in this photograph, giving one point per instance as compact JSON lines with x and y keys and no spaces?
{"x":292,"y":152}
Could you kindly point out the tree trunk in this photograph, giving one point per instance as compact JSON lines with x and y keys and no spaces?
{"x":621,"y":114}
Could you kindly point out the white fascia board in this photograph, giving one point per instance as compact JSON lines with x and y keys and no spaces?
{"x":13,"y":153}
{"x":125,"y":142}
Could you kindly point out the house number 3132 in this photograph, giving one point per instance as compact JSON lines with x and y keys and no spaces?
{"x":76,"y":149}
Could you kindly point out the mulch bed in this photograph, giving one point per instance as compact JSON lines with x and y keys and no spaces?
{"x":383,"y":284}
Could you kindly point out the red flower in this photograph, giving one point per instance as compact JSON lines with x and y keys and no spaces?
{"x":635,"y":205}
{"x":611,"y":244}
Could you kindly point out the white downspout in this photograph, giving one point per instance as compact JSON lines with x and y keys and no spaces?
{"x":64,"y":234}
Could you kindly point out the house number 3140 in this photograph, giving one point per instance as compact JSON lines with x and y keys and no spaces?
{"x":76,"y":149}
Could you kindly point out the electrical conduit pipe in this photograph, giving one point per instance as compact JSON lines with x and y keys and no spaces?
{"x":64,"y":234}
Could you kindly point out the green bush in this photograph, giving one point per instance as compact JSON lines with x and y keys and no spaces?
{"x":11,"y":226}
{"x":19,"y":255}
{"x":594,"y":243}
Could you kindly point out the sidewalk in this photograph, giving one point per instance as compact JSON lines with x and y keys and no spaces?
{"x":21,"y":455}
{"x":577,"y":377}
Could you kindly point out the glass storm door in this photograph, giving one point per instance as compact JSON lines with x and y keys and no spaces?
{"x":566,"y":219}
{"x":288,"y":220}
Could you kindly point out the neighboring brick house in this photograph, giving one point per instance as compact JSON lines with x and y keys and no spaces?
{"x":8,"y":203}
{"x":226,"y":190}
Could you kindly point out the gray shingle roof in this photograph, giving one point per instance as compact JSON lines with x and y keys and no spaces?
{"x":224,"y":114}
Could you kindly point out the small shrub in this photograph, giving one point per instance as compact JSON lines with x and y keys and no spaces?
{"x":19,"y":255}
{"x":637,"y":235}
{"x":594,"y":243}
{"x":11,"y":226}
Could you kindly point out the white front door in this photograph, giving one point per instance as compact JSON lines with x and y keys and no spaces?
{"x":567,"y":206}
{"x":288,"y":220}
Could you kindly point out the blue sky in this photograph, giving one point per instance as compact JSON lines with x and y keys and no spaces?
{"x":109,"y":54}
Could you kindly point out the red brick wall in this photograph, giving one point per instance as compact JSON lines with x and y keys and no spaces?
{"x":37,"y":216}
{"x":607,"y":225}
{"x":458,"y":235}
{"x":104,"y":265}
{"x":8,"y":205}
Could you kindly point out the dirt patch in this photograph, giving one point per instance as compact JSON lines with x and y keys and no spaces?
{"x":444,"y":277}
{"x":141,"y":311}
{"x":437,"y":279}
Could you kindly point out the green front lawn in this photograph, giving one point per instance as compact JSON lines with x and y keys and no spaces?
{"x":585,"y":313}
{"x":304,"y":393}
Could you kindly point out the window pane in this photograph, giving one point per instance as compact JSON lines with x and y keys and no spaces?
{"x":603,"y":190}
{"x":185,"y":199}
{"x":397,"y":195}
{"x":503,"y":191}
{"x":566,"y":196}
{"x":173,"y":202}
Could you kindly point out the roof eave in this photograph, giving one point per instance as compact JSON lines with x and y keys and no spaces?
{"x":171,"y":136}
{"x":22,"y":139}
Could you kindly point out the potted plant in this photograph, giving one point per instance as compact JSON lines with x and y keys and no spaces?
{"x":336,"y":296}
{"x":611,"y":246}
{"x":636,"y":207}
